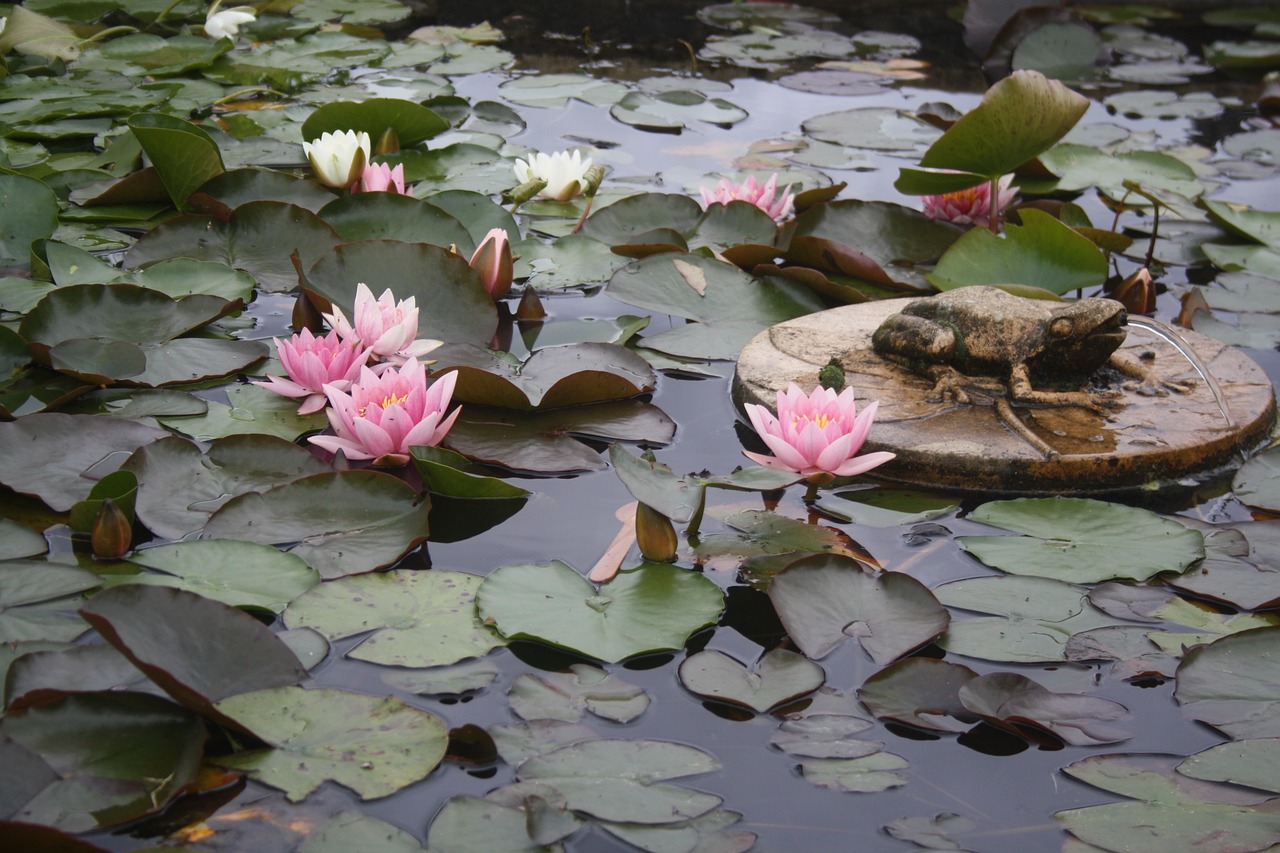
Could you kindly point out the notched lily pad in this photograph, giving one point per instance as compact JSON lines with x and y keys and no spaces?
{"x":779,"y":677}
{"x":569,"y":695}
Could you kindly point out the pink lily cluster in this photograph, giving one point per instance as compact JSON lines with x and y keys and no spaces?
{"x":763,"y":197}
{"x":377,"y":411}
{"x":970,"y":206}
{"x":818,"y":435}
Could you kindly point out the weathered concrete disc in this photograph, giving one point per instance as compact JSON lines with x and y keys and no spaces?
{"x":1144,"y":442}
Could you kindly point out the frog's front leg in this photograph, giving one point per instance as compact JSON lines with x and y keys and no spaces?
{"x":1148,"y":384}
{"x":948,"y":384}
{"x":1020,"y":390}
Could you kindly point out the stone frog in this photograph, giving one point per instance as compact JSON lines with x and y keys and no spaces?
{"x":987,"y":331}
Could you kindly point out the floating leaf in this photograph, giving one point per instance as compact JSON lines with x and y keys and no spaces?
{"x":824,"y":736}
{"x":650,"y":608}
{"x":866,"y":775}
{"x":313,"y":740}
{"x":28,"y":212}
{"x":1231,"y":683}
{"x":241,"y":574}
{"x":19,"y":541}
{"x":826,"y":599}
{"x":64,"y":454}
{"x":1082,"y":540}
{"x":341,"y":523}
{"x":1251,"y":762}
{"x":453,"y":680}
{"x":165,"y":632}
{"x":181,"y":486}
{"x":38,"y":600}
{"x":412,"y":122}
{"x":351,"y":830}
{"x":674,"y":110}
{"x":779,"y":677}
{"x":43,"y":676}
{"x":114,"y":757}
{"x":253,"y":411}
{"x":184,"y":155}
{"x":466,"y":823}
{"x":447,"y":473}
{"x":1015,"y":702}
{"x":920,"y":692}
{"x":416,"y":618}
{"x":567,"y":696}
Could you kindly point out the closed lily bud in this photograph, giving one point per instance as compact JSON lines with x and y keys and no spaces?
{"x":655,"y":534}
{"x":388,"y":142}
{"x":1137,"y":293}
{"x":530,"y":307}
{"x":492,"y":259}
{"x":112,"y":531}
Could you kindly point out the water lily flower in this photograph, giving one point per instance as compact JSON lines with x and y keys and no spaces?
{"x":338,"y":158}
{"x":818,"y":435}
{"x":749,"y":191}
{"x":565,"y":173}
{"x":225,"y":23}
{"x":312,"y":363}
{"x":970,"y":206}
{"x":379,"y":177}
{"x":382,"y":416}
{"x":388,"y":328}
{"x":492,"y":259}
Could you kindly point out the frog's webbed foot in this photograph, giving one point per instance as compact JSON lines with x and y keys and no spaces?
{"x":1100,"y":402}
{"x":948,"y":384}
{"x":1148,"y":384}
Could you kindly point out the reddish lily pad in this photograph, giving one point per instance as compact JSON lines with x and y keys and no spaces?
{"x":37,"y":601}
{"x":341,"y":523}
{"x":920,"y":692}
{"x":1015,"y":703}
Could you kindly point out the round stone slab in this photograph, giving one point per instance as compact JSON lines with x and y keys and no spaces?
{"x":1143,"y":442}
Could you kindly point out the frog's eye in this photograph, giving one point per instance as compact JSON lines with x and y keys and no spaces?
{"x":1061,"y":327}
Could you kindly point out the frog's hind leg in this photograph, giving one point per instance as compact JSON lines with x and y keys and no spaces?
{"x":1010,"y":419}
{"x":1020,"y":390}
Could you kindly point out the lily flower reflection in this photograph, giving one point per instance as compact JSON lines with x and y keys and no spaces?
{"x":763,"y":197}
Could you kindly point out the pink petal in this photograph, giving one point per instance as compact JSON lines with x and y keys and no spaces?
{"x":863,"y":463}
{"x":769,"y":461}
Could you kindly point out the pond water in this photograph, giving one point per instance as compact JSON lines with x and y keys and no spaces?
{"x":1181,"y":104}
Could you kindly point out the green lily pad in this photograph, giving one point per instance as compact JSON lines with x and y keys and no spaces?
{"x":181,"y":486}
{"x":1251,"y":762}
{"x":1080,"y":167}
{"x":258,"y":239}
{"x":17,"y":540}
{"x":181,"y":277}
{"x":341,"y":523}
{"x":758,"y":532}
{"x":351,"y":830}
{"x":43,"y":676}
{"x":65,"y":454}
{"x":826,"y":599}
{"x":447,"y":473}
{"x":630,"y":219}
{"x":545,"y":442}
{"x":253,"y":411}
{"x":416,"y":618}
{"x":568,"y":696}
{"x":675,"y":110}
{"x":553,"y":377}
{"x":454,"y":680}
{"x":726,"y":305}
{"x":462,"y":166}
{"x":518,"y":742}
{"x":1042,"y":252}
{"x":1230,"y":683}
{"x":650,"y":608}
{"x":39,"y":601}
{"x":778,"y":678}
{"x":99,"y":759}
{"x":28,"y":212}
{"x":452,"y":303}
{"x":882,"y":507}
{"x":467,"y":823}
{"x":920,"y":692}
{"x":817,"y":735}
{"x":876,"y":772}
{"x":412,"y":122}
{"x":241,"y":574}
{"x":241,"y":186}
{"x":184,"y":155}
{"x":1036,"y":617}
{"x":391,"y":216}
{"x":874,"y":128}
{"x":312,"y":740}
{"x":165,"y":633}
{"x":1082,"y":540}
{"x":554,"y":90}
{"x":1262,"y":226}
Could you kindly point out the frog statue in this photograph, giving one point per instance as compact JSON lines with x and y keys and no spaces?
{"x":1027,"y":342}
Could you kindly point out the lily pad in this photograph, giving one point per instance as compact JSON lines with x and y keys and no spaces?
{"x":447,"y":473}
{"x":341,"y":523}
{"x":252,"y":411}
{"x":38,"y":600}
{"x":876,"y":772}
{"x":313,"y":740}
{"x":241,"y":574}
{"x":779,"y":677}
{"x":1230,"y":683}
{"x":181,"y":486}
{"x":920,"y":692}
{"x":64,"y":454}
{"x":554,"y":90}
{"x":411,"y":121}
{"x":28,"y":212}
{"x":568,"y":696}
{"x":674,"y":110}
{"x":652,"y":607}
{"x":1251,"y":762}
{"x":391,"y":216}
{"x":184,"y":154}
{"x":43,"y":676}
{"x":165,"y":632}
{"x":467,"y":823}
{"x":1042,"y":252}
{"x":413,"y":618}
{"x":826,"y":599}
{"x":1082,"y":540}
{"x":100,"y":759}
{"x":811,"y":735}
{"x":19,"y":541}
{"x":1015,"y":702}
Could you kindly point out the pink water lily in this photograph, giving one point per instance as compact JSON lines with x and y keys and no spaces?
{"x":763,"y":197}
{"x":313,"y":363}
{"x":379,"y":177}
{"x":818,"y":434}
{"x":970,"y":206}
{"x":381,"y":417}
{"x":492,"y":259}
{"x":388,"y":328}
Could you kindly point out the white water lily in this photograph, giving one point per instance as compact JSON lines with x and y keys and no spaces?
{"x":339,"y":158}
{"x":565,"y":173}
{"x":226,"y":23}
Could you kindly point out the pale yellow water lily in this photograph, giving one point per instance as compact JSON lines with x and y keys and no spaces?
{"x":338,"y":158}
{"x":226,"y":23}
{"x":565,"y":173}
